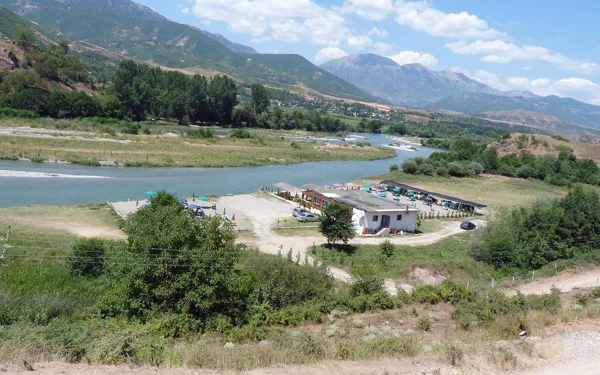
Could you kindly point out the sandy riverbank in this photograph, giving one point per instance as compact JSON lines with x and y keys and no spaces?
{"x":24,"y":174}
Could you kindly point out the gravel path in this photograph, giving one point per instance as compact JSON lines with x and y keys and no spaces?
{"x":565,"y":281}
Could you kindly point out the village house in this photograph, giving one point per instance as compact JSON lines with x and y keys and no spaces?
{"x":370,"y":214}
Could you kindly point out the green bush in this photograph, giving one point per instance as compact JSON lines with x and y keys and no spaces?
{"x":423,"y":324}
{"x":201,"y":133}
{"x":88,"y":257}
{"x":394,"y":167}
{"x":241,"y":134}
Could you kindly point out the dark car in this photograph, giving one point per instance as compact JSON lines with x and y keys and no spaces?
{"x":467,"y":225}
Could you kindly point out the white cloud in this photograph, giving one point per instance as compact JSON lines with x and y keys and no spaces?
{"x":382,"y":48}
{"x":329,"y":53}
{"x":288,"y":21}
{"x":372,"y":10}
{"x":411,"y":57}
{"x":185,"y":10}
{"x":577,"y":88}
{"x":376,"y":32}
{"x":421,"y":16}
{"x":499,"y":51}
{"x":360,"y":42}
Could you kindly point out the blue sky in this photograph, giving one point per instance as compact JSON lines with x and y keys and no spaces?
{"x":543,"y":46}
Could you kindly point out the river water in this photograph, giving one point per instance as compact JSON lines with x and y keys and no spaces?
{"x":131,"y":183}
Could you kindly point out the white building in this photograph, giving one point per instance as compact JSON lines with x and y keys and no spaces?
{"x":373,"y":214}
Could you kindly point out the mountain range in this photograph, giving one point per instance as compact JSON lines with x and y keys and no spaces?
{"x":103,"y":32}
{"x":418,"y":86}
{"x":134,"y":31}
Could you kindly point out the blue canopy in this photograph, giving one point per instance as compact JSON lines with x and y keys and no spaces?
{"x":144,"y":205}
{"x":174,"y":193}
{"x":192,"y":205}
{"x":150,"y":192}
{"x":182,"y":200}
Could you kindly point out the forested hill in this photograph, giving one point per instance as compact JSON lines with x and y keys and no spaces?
{"x":176,"y":45}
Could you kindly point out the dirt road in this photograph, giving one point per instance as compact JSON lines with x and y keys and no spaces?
{"x":565,"y":281}
{"x":263,"y":211}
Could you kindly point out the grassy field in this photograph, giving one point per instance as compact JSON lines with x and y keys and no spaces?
{"x":172,"y":151}
{"x":493,"y":191}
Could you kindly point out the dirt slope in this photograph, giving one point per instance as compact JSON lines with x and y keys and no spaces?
{"x":545,"y":145}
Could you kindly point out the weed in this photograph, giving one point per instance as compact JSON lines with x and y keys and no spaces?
{"x":423,"y":324}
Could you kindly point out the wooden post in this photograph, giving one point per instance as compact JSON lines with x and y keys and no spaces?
{"x":5,"y":245}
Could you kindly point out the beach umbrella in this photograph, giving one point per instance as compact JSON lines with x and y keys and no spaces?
{"x":382,"y":194}
{"x":174,"y":193}
{"x":204,"y":199}
{"x":193,"y":206}
{"x":150,"y":192}
{"x":144,"y":205}
{"x":182,"y":200}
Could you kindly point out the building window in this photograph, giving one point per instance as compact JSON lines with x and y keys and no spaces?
{"x":325,"y":204}
{"x":317,"y":200}
{"x":376,"y":218}
{"x":399,"y":217}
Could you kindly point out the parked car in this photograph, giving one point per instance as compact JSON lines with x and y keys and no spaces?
{"x":298,"y":210}
{"x":467,"y":225}
{"x":307,"y":216}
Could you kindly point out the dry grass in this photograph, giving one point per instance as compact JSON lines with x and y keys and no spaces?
{"x":493,"y":191}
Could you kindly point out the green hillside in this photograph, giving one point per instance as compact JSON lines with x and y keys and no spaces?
{"x":153,"y":39}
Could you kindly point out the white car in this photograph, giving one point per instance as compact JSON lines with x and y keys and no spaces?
{"x":307,"y":216}
{"x":298,"y":210}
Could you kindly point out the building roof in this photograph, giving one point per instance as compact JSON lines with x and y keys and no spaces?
{"x":365,"y":201}
{"x":436,"y":195}
{"x":289,"y":188}
{"x":314,"y":187}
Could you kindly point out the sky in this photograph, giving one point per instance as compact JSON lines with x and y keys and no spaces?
{"x":549,"y":47}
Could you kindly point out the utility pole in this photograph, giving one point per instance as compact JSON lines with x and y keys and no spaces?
{"x":5,"y":245}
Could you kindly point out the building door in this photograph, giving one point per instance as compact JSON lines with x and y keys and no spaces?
{"x":385,"y":221}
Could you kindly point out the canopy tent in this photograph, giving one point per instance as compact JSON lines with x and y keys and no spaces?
{"x":144,"y":205}
{"x":396,"y":190}
{"x":204,"y":199}
{"x":192,"y":205}
{"x":173,"y":193}
{"x":151,"y":193}
{"x":182,"y":200}
{"x":383,"y":195}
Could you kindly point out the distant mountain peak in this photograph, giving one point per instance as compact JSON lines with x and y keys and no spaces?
{"x":409,"y":84}
{"x":367,"y":59}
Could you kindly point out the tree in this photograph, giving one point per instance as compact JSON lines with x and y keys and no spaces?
{"x":336,"y":223}
{"x":387,"y":248}
{"x":394,"y":167}
{"x":174,"y":263}
{"x":260,"y":98}
{"x":88,"y":257}
{"x":25,"y":37}
{"x":410,"y":166}
{"x":223,"y":97}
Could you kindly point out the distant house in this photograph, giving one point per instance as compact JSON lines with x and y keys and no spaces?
{"x":370,"y":213}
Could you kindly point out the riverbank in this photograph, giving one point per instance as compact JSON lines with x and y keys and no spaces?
{"x":37,"y":142}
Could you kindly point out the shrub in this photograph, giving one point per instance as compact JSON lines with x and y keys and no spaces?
{"x":201,"y":133}
{"x":426,"y":169}
{"x":387,"y":248}
{"x":88,"y":257}
{"x":410,"y":166}
{"x":456,"y":169}
{"x":423,"y":324}
{"x":241,"y":134}
{"x":295,"y":145}
{"x":394,"y":167}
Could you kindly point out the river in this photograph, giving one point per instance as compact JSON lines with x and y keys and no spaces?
{"x":131,"y":183}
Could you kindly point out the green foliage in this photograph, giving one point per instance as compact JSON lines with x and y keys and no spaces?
{"x":241,"y":134}
{"x":335,"y":223}
{"x":423,"y":324}
{"x":410,"y":167}
{"x":394,"y":167}
{"x":175,"y":263}
{"x":387,"y":248}
{"x":529,"y":238}
{"x":88,"y":257}
{"x":201,"y":133}
{"x":25,"y":37}
{"x":260,"y":98}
